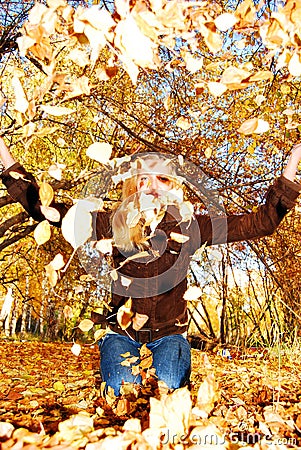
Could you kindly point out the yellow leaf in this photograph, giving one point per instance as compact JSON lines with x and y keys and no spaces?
{"x":254,"y":125}
{"x":225,"y":21}
{"x":77,"y":225}
{"x":58,"y":262}
{"x":183,"y":123}
{"x":193,"y":293}
{"x":16,"y":175}
{"x":172,"y":412}
{"x":125,"y":281}
{"x":86,"y":325}
{"x":294,"y":66}
{"x":193,"y":64}
{"x":42,"y":232}
{"x":139,"y":321}
{"x":54,"y":4}
{"x":124,"y":314}
{"x":79,"y":57}
{"x":105,"y":246}
{"x":259,"y":99}
{"x":57,"y":110}
{"x":46,"y":194}
{"x":100,"y":151}
{"x":79,"y":87}
{"x":114,"y":275}
{"x":99,"y":334}
{"x":208,"y":152}
{"x":181,"y":238}
{"x":134,"y":45}
{"x":234,"y":74}
{"x":216,"y":89}
{"x":76,"y":349}
{"x":58,"y":386}
{"x":208,"y":395}
{"x":55,"y":171}
{"x":50,"y":214}
{"x":21,"y":103}
{"x":51,"y":275}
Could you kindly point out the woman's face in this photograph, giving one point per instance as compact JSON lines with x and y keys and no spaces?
{"x":153,"y":183}
{"x":155,"y":176}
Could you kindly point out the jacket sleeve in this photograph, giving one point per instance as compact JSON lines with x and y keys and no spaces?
{"x":280,"y":198}
{"x":22,"y":187}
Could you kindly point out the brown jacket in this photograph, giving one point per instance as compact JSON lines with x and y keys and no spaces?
{"x":158,"y":281}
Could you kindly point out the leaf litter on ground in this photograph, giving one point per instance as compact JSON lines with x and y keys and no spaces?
{"x":51,"y":398}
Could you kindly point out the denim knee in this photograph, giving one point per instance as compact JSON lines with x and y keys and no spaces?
{"x":172,"y":360}
{"x":111,"y":347}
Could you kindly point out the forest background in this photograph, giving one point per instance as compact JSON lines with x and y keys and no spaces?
{"x":216,"y":83}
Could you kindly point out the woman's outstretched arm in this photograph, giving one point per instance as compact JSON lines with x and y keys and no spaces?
{"x":290,"y":170}
{"x":5,"y":155}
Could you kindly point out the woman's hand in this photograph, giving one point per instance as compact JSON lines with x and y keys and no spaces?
{"x":293,"y":162}
{"x":5,"y":156}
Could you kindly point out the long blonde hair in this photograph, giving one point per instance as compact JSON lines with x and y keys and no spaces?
{"x":131,"y":238}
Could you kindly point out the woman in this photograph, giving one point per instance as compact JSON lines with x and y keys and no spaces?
{"x":154,"y":239}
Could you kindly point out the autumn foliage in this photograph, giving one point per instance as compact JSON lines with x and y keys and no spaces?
{"x":90,"y":85}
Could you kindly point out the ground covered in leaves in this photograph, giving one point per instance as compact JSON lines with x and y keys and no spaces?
{"x":50,"y":398}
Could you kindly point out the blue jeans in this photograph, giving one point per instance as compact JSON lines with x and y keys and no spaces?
{"x":171,"y":359}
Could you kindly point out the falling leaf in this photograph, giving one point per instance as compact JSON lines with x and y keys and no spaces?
{"x":58,"y":262}
{"x":193,"y":293}
{"x":234,"y":74}
{"x":124,"y":314}
{"x":55,"y":171}
{"x":216,"y":89}
{"x":77,"y":225}
{"x":225,"y":21}
{"x":46,"y":194}
{"x":57,"y":110}
{"x":21,"y":102}
{"x":186,"y":211}
{"x":193,"y":64}
{"x":2,"y":100}
{"x":125,"y":281}
{"x":50,"y":213}
{"x":259,"y":99}
{"x":104,"y":246}
{"x":79,"y":57}
{"x":139,"y":320}
{"x":134,"y":45}
{"x":100,"y":151}
{"x":181,"y":238}
{"x":16,"y":175}
{"x":99,"y":334}
{"x":208,"y":152}
{"x":86,"y":325}
{"x":254,"y":126}
{"x":294,"y":65}
{"x":51,"y":275}
{"x":183,"y":123}
{"x":114,"y":275}
{"x":42,"y":232}
{"x":208,"y":395}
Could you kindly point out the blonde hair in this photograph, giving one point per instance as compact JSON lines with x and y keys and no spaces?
{"x":131,"y":238}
